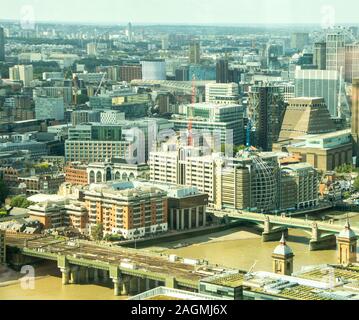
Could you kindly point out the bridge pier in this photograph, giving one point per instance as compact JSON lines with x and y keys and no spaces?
{"x":95,"y":275}
{"x":105,"y":276}
{"x":125,"y":286}
{"x":274,"y":234}
{"x":65,"y":275}
{"x":74,"y":275}
{"x":320,"y":241}
{"x":133,"y":285}
{"x":117,"y":286}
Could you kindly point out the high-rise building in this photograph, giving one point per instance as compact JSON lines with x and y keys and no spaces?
{"x":306,"y":116}
{"x":129,"y":32}
{"x":299,"y":40}
{"x":320,"y":55}
{"x":91,"y":49}
{"x":336,"y":52}
{"x":224,"y":119}
{"x":195,"y":53}
{"x":266,"y":111}
{"x":222,"y":69}
{"x":24,"y":73}
{"x":351,"y":62}
{"x":129,"y":73}
{"x":2,"y":44}
{"x":49,"y":108}
{"x":153,"y":69}
{"x":355,"y":118}
{"x":319,"y":83}
{"x":182,"y":73}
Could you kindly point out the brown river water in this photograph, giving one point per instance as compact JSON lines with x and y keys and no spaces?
{"x":238,"y":248}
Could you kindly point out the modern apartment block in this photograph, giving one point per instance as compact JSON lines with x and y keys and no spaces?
{"x":132,"y":212}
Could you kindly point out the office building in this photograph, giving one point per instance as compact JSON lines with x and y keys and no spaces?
{"x":2,"y":44}
{"x":226,"y":120}
{"x":298,"y":186}
{"x":201,"y":73}
{"x":130,"y":72}
{"x":153,"y":69}
{"x":222,"y":71}
{"x":59,"y":212}
{"x":336,"y":52}
{"x":96,"y":142}
{"x":129,"y":32}
{"x":75,"y":173}
{"x":195,"y":53}
{"x":129,"y":211}
{"x":299,"y":40}
{"x":226,"y":93}
{"x":265,"y":110}
{"x":319,"y":83}
{"x":247,"y":182}
{"x":22,"y":73}
{"x":351,"y":62}
{"x":49,"y":108}
{"x":111,"y":117}
{"x":355,"y":119}
{"x":91,"y":49}
{"x":84,"y":116}
{"x":182,"y":74}
{"x":320,"y":55}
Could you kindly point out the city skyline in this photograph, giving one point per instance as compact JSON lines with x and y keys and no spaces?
{"x":321,"y":12}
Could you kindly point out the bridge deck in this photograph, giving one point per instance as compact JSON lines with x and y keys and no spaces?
{"x":144,"y":262}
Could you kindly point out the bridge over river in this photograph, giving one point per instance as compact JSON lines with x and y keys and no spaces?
{"x":131,"y":271}
{"x":323,"y":233}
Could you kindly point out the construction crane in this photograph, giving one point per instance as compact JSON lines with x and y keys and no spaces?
{"x":248,"y":275}
{"x":190,"y":124}
{"x":248,"y":133}
{"x":100,"y":85}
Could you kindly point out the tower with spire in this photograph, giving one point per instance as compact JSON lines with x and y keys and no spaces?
{"x":347,"y":246}
{"x":283,"y":258}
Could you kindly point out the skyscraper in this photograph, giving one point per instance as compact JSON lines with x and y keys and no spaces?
{"x":266,"y":111}
{"x":299,"y":40}
{"x":195,"y":53}
{"x":355,"y":117}
{"x":319,"y":83}
{"x":351,"y":62}
{"x":129,"y":32}
{"x":2,"y":44}
{"x":336,"y":52}
{"x":222,"y":71}
{"x":320,"y":55}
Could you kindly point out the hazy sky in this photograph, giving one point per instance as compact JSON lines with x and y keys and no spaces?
{"x":184,"y":11}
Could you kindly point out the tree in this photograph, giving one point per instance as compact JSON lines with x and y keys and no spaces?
{"x":4,"y":191}
{"x":356,"y":184}
{"x":20,"y":202}
{"x":97,"y":232}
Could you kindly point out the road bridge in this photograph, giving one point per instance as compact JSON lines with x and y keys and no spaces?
{"x":131,"y":271}
{"x":323,"y":233}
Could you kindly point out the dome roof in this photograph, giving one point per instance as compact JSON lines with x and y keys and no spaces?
{"x":283,"y":249}
{"x":347,"y":233}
